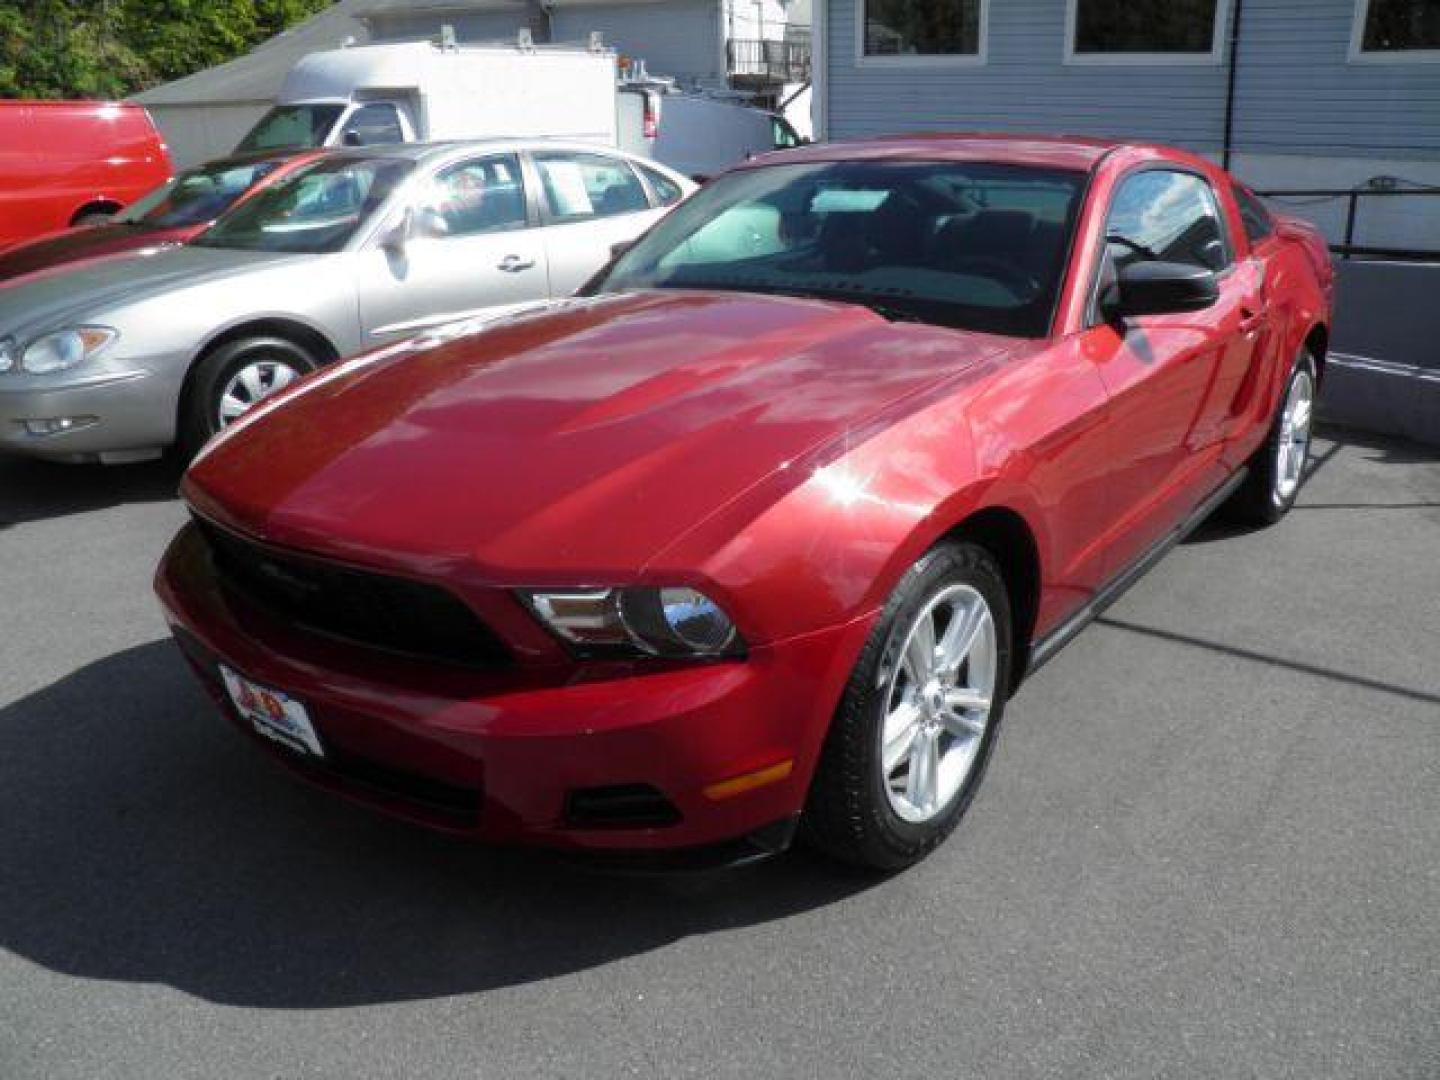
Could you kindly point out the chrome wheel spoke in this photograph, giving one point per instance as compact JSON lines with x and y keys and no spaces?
{"x":960,"y":635}
{"x":902,"y":727}
{"x":920,"y":650}
{"x":924,"y":777}
{"x":964,"y":699}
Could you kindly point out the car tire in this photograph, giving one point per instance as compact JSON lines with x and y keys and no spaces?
{"x":860,"y":809}
{"x":271,"y":363}
{"x":92,"y":218}
{"x":1277,"y":469}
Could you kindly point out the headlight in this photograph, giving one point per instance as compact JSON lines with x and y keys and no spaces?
{"x":7,"y":355}
{"x":651,"y":621}
{"x":65,"y":349}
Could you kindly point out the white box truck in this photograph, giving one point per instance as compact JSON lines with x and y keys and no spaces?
{"x":428,"y":92}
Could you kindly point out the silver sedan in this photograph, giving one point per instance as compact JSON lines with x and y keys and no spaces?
{"x":116,"y":359}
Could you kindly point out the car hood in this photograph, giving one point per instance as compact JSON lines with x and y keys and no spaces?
{"x":69,"y":246}
{"x":581,"y":439}
{"x":82,"y":291}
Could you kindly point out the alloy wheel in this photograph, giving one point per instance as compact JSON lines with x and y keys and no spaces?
{"x":1294,"y":443}
{"x":939,"y":691}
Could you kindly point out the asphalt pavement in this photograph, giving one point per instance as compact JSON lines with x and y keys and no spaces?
{"x":1208,"y":846}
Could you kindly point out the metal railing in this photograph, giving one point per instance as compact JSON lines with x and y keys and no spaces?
{"x":1347,"y":248}
{"x":774,"y":61}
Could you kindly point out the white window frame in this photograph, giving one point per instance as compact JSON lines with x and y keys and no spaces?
{"x":1360,"y":55}
{"x":1147,"y":59}
{"x":924,"y":60}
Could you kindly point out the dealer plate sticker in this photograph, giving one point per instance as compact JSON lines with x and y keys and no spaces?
{"x":273,"y":714}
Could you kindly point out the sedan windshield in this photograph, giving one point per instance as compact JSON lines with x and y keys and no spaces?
{"x":197,"y":195}
{"x":314,"y":210}
{"x":968,"y":245}
{"x":292,"y":127}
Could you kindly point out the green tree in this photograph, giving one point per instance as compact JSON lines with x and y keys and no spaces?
{"x":111,"y":48}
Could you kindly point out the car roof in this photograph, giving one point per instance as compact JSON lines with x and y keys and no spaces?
{"x":425,"y":153}
{"x":1071,"y":152}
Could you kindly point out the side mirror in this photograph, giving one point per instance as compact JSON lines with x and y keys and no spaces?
{"x":393,"y":240}
{"x":1158,"y":288}
{"x":616,"y":250}
{"x":428,"y":224}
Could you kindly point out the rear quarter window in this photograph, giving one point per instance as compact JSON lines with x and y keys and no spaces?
{"x":1253,"y":215}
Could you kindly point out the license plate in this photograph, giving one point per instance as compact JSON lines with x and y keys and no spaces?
{"x":273,"y":714}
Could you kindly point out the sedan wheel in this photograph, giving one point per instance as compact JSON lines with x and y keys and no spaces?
{"x":915,"y":728}
{"x":250,"y":385}
{"x":232,"y":379}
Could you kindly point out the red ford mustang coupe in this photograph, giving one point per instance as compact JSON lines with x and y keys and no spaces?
{"x":757,"y":536}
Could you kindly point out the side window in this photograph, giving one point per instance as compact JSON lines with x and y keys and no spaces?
{"x":374,"y":125}
{"x":580,"y":187}
{"x":782,"y":134}
{"x":480,"y":196}
{"x":1169,"y":216}
{"x":1257,"y":220}
{"x":667,"y":192}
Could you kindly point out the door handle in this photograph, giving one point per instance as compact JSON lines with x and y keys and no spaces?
{"x":513,"y":264}
{"x":1250,"y":318}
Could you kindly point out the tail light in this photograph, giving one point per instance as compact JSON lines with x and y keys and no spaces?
{"x":651,"y":126}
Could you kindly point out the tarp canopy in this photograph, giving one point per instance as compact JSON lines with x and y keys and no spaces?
{"x":256,"y":76}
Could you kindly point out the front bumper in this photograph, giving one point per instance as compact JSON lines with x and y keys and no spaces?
{"x":503,"y":756}
{"x":122,"y":416}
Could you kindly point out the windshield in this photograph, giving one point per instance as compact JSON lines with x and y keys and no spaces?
{"x":315,"y":209}
{"x":968,"y":245}
{"x":287,"y":126}
{"x":196,"y":195}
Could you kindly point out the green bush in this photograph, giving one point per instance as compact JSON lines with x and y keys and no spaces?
{"x":111,"y":48}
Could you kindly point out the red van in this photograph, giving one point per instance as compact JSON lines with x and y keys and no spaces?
{"x":68,"y":163}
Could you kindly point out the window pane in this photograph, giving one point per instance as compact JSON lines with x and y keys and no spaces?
{"x":291,"y":125}
{"x":969,"y":245}
{"x":374,"y":125}
{"x":1253,"y":215}
{"x":477,"y":197}
{"x":666,"y":190}
{"x":1394,"y":25}
{"x":922,"y":27}
{"x":1144,"y":26}
{"x":581,"y":186}
{"x":317,"y":209}
{"x":1167,"y":216}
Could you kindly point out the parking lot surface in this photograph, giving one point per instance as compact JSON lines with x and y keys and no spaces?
{"x":1208,"y":846}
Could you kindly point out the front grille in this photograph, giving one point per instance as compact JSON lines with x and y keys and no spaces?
{"x":448,"y":803}
{"x":379,"y":611}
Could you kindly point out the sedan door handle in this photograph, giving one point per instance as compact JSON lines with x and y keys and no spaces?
{"x":513,"y":264}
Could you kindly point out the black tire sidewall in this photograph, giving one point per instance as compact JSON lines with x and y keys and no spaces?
{"x":199,"y":412}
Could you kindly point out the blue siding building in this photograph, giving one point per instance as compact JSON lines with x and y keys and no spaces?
{"x":1318,"y":93}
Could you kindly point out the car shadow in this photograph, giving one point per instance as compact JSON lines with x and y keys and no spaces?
{"x":147,"y":841}
{"x":1332,"y":439}
{"x":41,"y":490}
